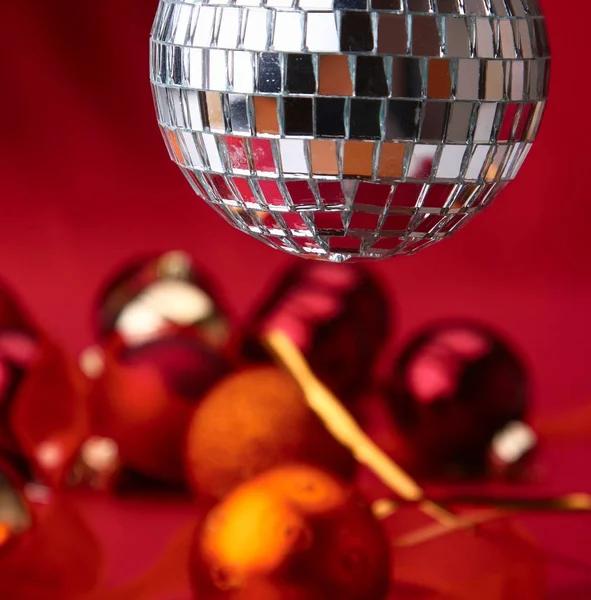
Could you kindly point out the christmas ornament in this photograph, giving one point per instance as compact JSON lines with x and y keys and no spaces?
{"x":253,"y":421}
{"x":293,"y":532}
{"x":338,"y":316}
{"x":43,"y":409}
{"x":98,"y":465}
{"x":144,"y":399}
{"x":162,"y":335}
{"x":56,"y":558}
{"x":341,"y":129}
{"x":50,"y":415}
{"x":460,"y":397}
{"x":153,"y":297}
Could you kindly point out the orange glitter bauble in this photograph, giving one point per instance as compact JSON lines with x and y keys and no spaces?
{"x":294,"y":532}
{"x":253,"y":421}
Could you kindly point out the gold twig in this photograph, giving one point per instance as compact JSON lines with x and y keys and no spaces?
{"x":345,"y":429}
{"x":499,"y":508}
{"x":436,"y":530}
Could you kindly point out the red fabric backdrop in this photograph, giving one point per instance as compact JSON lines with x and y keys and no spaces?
{"x":85,"y":182}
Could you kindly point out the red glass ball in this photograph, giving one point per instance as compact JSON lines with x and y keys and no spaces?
{"x":162,"y":334}
{"x":145,"y":397}
{"x":43,"y":410}
{"x":154,"y":296}
{"x":292,"y":532}
{"x":338,"y":316}
{"x":454,"y":389}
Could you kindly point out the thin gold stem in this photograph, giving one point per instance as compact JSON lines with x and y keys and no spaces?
{"x":345,"y":429}
{"x":437,"y":530}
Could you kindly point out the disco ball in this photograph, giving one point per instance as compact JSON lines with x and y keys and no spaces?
{"x":333,"y":129}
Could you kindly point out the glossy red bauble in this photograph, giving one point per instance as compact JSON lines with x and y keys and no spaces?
{"x":337,"y":315}
{"x":457,"y":388}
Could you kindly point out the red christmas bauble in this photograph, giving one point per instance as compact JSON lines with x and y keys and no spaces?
{"x":145,"y":397}
{"x":293,"y":532}
{"x":455,"y":391}
{"x":162,"y":337}
{"x":158,"y":295}
{"x":338,"y":316}
{"x":253,"y":421}
{"x":43,"y":408}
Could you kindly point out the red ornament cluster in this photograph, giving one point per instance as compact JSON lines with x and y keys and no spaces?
{"x":172,"y":393}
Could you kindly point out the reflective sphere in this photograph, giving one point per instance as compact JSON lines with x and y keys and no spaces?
{"x":337,"y":315}
{"x":336,"y":129}
{"x":460,"y":395}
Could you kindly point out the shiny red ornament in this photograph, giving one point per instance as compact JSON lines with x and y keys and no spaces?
{"x":43,"y":410}
{"x":337,"y":315}
{"x":145,"y":397}
{"x":158,"y":295}
{"x":460,"y":395}
{"x":292,"y":532}
{"x":47,"y":551}
{"x":162,"y":342}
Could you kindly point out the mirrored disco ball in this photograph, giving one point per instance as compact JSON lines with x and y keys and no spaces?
{"x":341,"y":129}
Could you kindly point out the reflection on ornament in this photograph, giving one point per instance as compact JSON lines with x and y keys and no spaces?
{"x":363,"y":129}
{"x":92,"y":362}
{"x":98,"y":465}
{"x":159,"y":296}
{"x":511,"y":447}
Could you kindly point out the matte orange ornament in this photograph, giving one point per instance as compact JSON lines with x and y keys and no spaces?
{"x":252,"y":421}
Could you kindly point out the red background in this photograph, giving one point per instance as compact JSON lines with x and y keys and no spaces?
{"x":86,"y":183}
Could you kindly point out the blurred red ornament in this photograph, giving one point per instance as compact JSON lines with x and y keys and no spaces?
{"x":337,"y":315}
{"x":162,"y":342}
{"x":47,"y":552}
{"x":292,"y":532}
{"x":159,"y":295}
{"x":145,"y":397}
{"x":460,"y":397}
{"x":43,"y":398}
